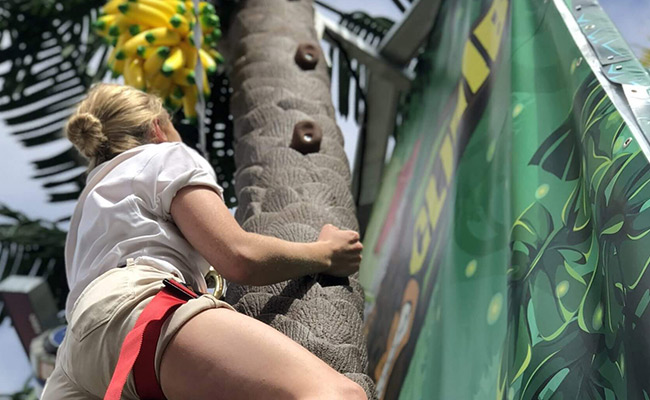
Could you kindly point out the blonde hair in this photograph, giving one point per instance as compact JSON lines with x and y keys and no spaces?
{"x":112,"y":119}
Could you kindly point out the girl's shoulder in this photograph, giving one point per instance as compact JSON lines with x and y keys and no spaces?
{"x":168,"y":154}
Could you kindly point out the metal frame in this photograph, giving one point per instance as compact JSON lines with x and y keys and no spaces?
{"x":388,"y":78}
{"x":631,"y":98}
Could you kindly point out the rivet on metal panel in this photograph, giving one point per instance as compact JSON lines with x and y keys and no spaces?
{"x":619,"y":67}
{"x":610,"y":57}
{"x":590,"y":26}
{"x":627,"y":142}
{"x":578,"y":7}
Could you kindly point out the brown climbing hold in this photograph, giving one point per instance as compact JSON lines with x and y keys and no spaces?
{"x":307,"y":56}
{"x":306,"y":137}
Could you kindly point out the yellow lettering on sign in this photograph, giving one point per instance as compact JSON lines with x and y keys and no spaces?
{"x":447,"y":157}
{"x":421,"y":241}
{"x":475,"y":68}
{"x":489,"y":31}
{"x":461,"y":105}
{"x":434,"y":201}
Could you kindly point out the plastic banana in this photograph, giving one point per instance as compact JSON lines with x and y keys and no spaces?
{"x":142,"y":12}
{"x":111,"y":7}
{"x":145,"y":52}
{"x":155,"y":36}
{"x":207,"y":61}
{"x":184,"y":77}
{"x":133,"y":73}
{"x":180,"y":24}
{"x":117,"y":57}
{"x":155,"y":50}
{"x":181,"y":9}
{"x":161,"y":85}
{"x":206,"y":85}
{"x":103,"y":23}
{"x":190,"y":54}
{"x":206,"y":8}
{"x":177,"y":92}
{"x":172,"y":103}
{"x":189,"y":104}
{"x":117,"y":68}
{"x":154,"y":62}
{"x":122,"y":24}
{"x":174,"y":62}
{"x":165,"y":7}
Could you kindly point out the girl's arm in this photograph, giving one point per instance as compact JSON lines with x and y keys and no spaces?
{"x":248,"y":258}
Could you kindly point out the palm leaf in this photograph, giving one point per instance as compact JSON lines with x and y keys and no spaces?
{"x":51,"y":58}
{"x":558,"y":153}
{"x":32,"y":247}
{"x":402,"y":5}
{"x":370,"y":29}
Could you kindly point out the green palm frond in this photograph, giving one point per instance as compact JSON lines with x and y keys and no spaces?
{"x":51,"y":57}
{"x":32,"y":247}
{"x":402,"y":5}
{"x":370,"y":29}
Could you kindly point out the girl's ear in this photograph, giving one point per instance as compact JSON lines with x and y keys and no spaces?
{"x":158,"y":135}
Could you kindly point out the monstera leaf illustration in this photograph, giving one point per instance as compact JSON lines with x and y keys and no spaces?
{"x":558,"y":154}
{"x":578,"y":286}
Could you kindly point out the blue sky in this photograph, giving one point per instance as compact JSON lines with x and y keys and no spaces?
{"x":632,"y":19}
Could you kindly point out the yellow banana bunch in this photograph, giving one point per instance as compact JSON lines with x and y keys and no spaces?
{"x":154,"y":48}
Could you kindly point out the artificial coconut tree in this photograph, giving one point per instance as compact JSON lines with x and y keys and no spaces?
{"x":272,"y":101}
{"x":293,"y":177}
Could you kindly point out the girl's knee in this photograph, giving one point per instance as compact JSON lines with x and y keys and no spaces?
{"x":353,"y":391}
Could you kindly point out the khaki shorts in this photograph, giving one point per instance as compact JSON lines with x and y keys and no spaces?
{"x":101,"y":318}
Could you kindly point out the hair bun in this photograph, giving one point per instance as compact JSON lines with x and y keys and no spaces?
{"x":84,"y":130}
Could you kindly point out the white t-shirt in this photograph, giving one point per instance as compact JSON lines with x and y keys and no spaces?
{"x":124,"y":212}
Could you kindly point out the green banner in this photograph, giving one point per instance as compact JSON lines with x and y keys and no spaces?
{"x":506,"y":256}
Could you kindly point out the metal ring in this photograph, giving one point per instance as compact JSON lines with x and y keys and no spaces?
{"x":215,"y":283}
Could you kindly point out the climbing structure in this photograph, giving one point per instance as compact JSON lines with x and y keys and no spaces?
{"x":293,"y":177}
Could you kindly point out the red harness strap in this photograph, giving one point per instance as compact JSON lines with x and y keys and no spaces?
{"x":139,"y":347}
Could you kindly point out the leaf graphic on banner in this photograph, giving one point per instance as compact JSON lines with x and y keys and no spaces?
{"x":620,"y":195}
{"x":518,"y":339}
{"x":530,"y":235}
{"x":627,"y":193}
{"x":562,"y":368}
{"x":557,"y":154}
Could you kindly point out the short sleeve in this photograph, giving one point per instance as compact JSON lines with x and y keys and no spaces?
{"x":172,"y":167}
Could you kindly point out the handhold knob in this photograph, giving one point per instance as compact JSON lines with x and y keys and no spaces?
{"x":307,"y":56}
{"x":306,"y":137}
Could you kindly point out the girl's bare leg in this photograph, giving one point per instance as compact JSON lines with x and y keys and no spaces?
{"x":221,"y":354}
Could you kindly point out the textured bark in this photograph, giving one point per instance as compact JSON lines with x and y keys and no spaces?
{"x":284,"y":193}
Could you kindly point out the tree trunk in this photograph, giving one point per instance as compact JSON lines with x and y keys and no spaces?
{"x":293,"y":177}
